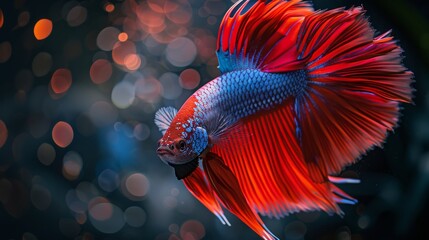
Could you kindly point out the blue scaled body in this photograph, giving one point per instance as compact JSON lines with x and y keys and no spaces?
{"x":239,"y":94}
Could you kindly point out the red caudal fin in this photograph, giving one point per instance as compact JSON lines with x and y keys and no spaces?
{"x":355,"y":84}
{"x":196,"y":184}
{"x":262,"y":35}
{"x":227,"y":188}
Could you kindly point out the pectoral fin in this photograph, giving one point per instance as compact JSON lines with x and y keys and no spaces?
{"x":164,"y":117}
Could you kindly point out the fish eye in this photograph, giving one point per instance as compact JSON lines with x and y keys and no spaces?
{"x":181,"y":145}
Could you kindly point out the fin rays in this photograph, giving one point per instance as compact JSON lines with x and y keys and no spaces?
{"x":163,"y":118}
{"x":196,"y":184}
{"x":355,"y":84}
{"x":259,"y":34}
{"x":270,"y":169}
{"x":227,"y":188}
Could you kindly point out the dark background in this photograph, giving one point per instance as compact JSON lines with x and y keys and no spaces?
{"x":111,"y":167}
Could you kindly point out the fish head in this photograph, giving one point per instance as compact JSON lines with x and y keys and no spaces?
{"x":182,"y":142}
{"x":174,"y":150}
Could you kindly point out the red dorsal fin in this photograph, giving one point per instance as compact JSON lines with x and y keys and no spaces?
{"x":262,"y":35}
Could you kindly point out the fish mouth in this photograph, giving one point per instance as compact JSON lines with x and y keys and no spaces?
{"x":164,"y":151}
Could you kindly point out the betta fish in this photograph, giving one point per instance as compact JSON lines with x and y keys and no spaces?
{"x":301,"y":95}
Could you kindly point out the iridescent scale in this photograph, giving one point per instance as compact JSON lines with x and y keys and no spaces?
{"x":242,"y":93}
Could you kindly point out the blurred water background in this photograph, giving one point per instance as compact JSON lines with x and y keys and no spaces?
{"x":80,"y":82}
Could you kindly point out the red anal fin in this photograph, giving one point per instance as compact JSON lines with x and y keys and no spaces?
{"x":196,"y":184}
{"x":270,"y":165}
{"x":227,"y":188}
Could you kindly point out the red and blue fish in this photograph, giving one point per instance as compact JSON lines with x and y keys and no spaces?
{"x":302,"y":94}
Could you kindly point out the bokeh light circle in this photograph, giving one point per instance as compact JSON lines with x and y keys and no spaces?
{"x":1,"y":18}
{"x":42,"y":64}
{"x":171,"y":86}
{"x":156,"y":6}
{"x":61,"y":80}
{"x":152,"y":22}
{"x":101,"y":211}
{"x":42,"y":29}
{"x":136,"y":186}
{"x":62,"y":134}
{"x":123,"y":94}
{"x":100,"y":71}
{"x":178,"y":12}
{"x":23,"y":18}
{"x":100,"y":208}
{"x":132,"y":61}
{"x":5,"y":51}
{"x":74,"y":203}
{"x":3,"y":133}
{"x":121,"y":50}
{"x":76,"y":16}
{"x":135,"y":216}
{"x":72,"y":165}
{"x":108,"y":180}
{"x":343,"y":233}
{"x":148,"y":89}
{"x":141,"y":131}
{"x":181,"y":52}
{"x":189,"y":78}
{"x":109,"y":7}
{"x":107,"y":38}
{"x":46,"y":154}
{"x":123,"y":36}
{"x":86,"y":191}
{"x":192,"y":229}
{"x":110,"y":225}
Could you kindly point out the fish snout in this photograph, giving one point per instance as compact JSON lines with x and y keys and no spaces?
{"x":165,"y":150}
